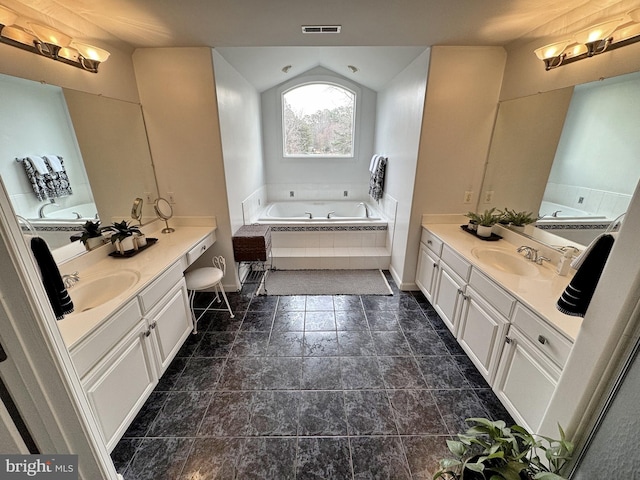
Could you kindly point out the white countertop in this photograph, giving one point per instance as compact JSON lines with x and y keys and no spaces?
{"x":539,"y":292}
{"x":150,"y":263}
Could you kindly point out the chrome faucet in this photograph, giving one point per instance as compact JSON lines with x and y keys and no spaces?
{"x":555,"y":214}
{"x":530,"y":252}
{"x":310,"y":215}
{"x":366,"y":209}
{"x":41,"y":211}
{"x":69,"y":280}
{"x":330,"y":213}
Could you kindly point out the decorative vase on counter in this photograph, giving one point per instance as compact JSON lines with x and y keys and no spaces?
{"x":484,"y":230}
{"x":140,"y":240}
{"x":93,"y":242}
{"x":126,"y":244}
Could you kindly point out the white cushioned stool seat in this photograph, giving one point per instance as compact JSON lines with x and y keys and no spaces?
{"x":204,"y":278}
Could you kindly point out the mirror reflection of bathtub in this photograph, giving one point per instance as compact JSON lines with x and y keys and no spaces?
{"x":60,"y":225}
{"x":575,"y":225}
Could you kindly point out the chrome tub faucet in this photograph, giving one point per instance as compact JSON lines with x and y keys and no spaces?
{"x":366,"y":209}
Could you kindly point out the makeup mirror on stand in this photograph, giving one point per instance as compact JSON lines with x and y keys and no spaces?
{"x":164,"y":210}
{"x":136,"y":210}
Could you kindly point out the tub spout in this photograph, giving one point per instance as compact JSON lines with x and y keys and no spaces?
{"x":310,"y":215}
{"x":366,"y":209}
{"x":330,"y":213}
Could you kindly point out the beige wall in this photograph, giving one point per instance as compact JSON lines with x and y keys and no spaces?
{"x":177,"y":91}
{"x":460,"y":109}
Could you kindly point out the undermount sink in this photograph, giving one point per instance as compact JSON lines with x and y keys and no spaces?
{"x":503,"y":260}
{"x":93,"y":291}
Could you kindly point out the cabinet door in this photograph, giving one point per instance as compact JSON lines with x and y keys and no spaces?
{"x":448,"y":297}
{"x":482,"y":333}
{"x":525,"y":380}
{"x":171,"y":324}
{"x":120,"y":383}
{"x":426,"y":274}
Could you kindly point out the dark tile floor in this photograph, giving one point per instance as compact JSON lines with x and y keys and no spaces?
{"x":309,"y":387}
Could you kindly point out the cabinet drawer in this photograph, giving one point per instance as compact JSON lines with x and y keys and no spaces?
{"x":432,"y":242}
{"x":456,"y":262}
{"x":151,"y":295}
{"x":492,"y":293}
{"x":200,"y":248}
{"x":92,"y":349}
{"x":549,"y":341}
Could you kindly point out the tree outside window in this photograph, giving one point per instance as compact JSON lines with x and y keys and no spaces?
{"x":318,"y":120}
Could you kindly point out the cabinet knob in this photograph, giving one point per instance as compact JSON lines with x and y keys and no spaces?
{"x":435,"y":265}
{"x":153,"y":325}
{"x":507,"y":340}
{"x":542,"y":340}
{"x":429,"y":242}
{"x":148,"y":332}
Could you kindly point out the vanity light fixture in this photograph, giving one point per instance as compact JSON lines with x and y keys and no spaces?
{"x":595,"y":40}
{"x":49,"y":42}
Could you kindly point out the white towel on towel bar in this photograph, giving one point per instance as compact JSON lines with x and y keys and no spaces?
{"x":54,"y":163}
{"x":373,"y":165}
{"x":39,"y":164}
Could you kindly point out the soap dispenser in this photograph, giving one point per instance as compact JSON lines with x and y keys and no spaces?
{"x":565,"y":262}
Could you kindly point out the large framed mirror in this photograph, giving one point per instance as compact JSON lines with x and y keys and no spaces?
{"x":105,"y":152}
{"x":569,"y":156}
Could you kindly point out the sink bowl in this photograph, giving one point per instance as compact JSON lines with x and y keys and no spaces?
{"x":505,"y":261}
{"x":91,"y":292}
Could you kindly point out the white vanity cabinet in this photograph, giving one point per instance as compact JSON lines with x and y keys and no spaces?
{"x":165,"y":307}
{"x":484,"y":322}
{"x":428,"y":262}
{"x":451,"y":280}
{"x":118,"y":374}
{"x":120,"y":363}
{"x":532,"y":361}
{"x":519,"y":352}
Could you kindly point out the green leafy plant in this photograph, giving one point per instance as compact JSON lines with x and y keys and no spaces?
{"x":517,"y":219}
{"x":492,"y":451}
{"x":122,"y":230}
{"x":488,"y":218}
{"x":90,"y":229}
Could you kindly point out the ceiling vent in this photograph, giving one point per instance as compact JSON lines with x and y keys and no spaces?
{"x":321,"y":28}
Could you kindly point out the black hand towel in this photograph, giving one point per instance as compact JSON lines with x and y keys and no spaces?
{"x":577,"y":296}
{"x":51,"y":279}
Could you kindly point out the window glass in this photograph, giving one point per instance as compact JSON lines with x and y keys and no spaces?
{"x":318,"y":120}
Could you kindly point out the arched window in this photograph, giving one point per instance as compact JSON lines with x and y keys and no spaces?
{"x":318,"y":120}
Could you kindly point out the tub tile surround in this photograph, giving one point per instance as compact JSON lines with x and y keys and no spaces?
{"x":309,"y":387}
{"x":595,"y":202}
{"x":327,"y":246}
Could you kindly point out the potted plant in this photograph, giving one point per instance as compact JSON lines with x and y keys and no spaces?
{"x":123,"y":236}
{"x":91,"y":235}
{"x":474,"y":220}
{"x":485,"y":221}
{"x":491,"y":450}
{"x":517,"y":219}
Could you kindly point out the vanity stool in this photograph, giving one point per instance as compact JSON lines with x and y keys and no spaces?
{"x":203,"y":279}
